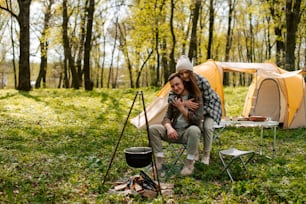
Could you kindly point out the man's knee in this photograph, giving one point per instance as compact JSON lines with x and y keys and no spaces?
{"x":155,"y":130}
{"x":194,"y":131}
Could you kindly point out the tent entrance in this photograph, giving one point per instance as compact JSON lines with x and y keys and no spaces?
{"x":268,"y":100}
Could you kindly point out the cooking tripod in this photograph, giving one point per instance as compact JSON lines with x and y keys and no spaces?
{"x":140,"y":94}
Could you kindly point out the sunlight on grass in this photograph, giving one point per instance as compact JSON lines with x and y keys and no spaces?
{"x":56,"y":145}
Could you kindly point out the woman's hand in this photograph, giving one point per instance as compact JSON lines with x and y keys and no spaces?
{"x":179,"y":104}
{"x":190,"y":104}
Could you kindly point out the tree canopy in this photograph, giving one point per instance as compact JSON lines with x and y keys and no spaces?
{"x":136,"y":43}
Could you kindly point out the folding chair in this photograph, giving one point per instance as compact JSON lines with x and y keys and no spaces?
{"x":234,"y":154}
{"x":218,"y":129}
{"x":179,"y":151}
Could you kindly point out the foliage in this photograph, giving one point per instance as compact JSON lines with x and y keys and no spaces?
{"x":259,"y":32}
{"x":56,"y":146}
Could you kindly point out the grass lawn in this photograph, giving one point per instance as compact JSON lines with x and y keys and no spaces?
{"x":56,"y":145}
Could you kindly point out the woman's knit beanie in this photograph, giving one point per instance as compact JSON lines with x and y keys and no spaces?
{"x":183,"y":63}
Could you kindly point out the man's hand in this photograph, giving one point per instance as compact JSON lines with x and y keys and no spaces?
{"x":190,"y":104}
{"x":171,"y":132}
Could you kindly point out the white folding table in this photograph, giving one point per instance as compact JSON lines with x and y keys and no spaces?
{"x":253,"y":124}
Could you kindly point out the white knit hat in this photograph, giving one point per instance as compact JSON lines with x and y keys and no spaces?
{"x":184,"y":63}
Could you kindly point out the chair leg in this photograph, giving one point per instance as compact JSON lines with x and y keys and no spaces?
{"x":226,"y":166}
{"x":244,"y":163}
{"x":180,"y":154}
{"x":218,"y":130}
{"x":228,"y":171}
{"x":251,"y":157}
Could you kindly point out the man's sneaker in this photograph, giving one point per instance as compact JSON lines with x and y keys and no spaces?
{"x":188,"y":168}
{"x":159,"y":162}
{"x":205,"y":158}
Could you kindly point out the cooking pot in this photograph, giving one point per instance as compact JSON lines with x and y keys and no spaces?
{"x":138,"y":157}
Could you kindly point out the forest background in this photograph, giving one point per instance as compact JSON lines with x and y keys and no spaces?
{"x":111,"y":44}
{"x":51,"y":139}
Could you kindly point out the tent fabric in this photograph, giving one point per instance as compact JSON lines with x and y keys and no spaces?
{"x":268,"y":89}
{"x":287,"y":91}
{"x":291,"y":86}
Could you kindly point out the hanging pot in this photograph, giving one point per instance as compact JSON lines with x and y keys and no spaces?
{"x":138,"y":157}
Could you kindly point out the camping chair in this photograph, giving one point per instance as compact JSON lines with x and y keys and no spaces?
{"x":201,"y":138}
{"x":173,"y":147}
{"x":234,"y":154}
{"x":218,"y":129}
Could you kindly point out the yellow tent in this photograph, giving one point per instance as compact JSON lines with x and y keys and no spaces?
{"x":273,"y":92}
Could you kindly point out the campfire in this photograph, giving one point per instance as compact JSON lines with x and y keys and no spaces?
{"x":142,"y":184}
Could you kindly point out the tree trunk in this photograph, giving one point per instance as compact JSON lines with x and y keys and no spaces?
{"x":43,"y":66}
{"x":164,"y":61}
{"x":67,"y":49}
{"x":268,"y":41}
{"x":299,"y":55}
{"x":278,"y":27}
{"x":13,"y":47}
{"x":24,"y":59}
{"x":249,"y":40}
{"x":158,"y":12}
{"x":81,"y":48}
{"x":279,"y":55}
{"x":44,"y":48}
{"x":124,"y":49}
{"x":110,"y":75}
{"x":231,"y":5}
{"x":229,"y":29}
{"x":192,"y":54}
{"x":293,"y":16}
{"x":172,"y":60}
{"x":103,"y":62}
{"x":141,"y":68}
{"x":158,"y":57}
{"x":88,"y":82}
{"x":211,"y":28}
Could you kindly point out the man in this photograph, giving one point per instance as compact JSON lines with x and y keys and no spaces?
{"x":179,"y":125}
{"x":211,"y":102}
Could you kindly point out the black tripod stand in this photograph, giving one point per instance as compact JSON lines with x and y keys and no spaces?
{"x":140,"y":94}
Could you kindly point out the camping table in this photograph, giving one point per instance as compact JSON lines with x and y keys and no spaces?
{"x":252,"y":124}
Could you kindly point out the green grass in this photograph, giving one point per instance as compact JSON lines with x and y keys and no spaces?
{"x":56,"y":145}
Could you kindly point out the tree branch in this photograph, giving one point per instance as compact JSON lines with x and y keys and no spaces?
{"x":8,"y":10}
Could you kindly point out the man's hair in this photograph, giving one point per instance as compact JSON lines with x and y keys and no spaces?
{"x":173,"y":75}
